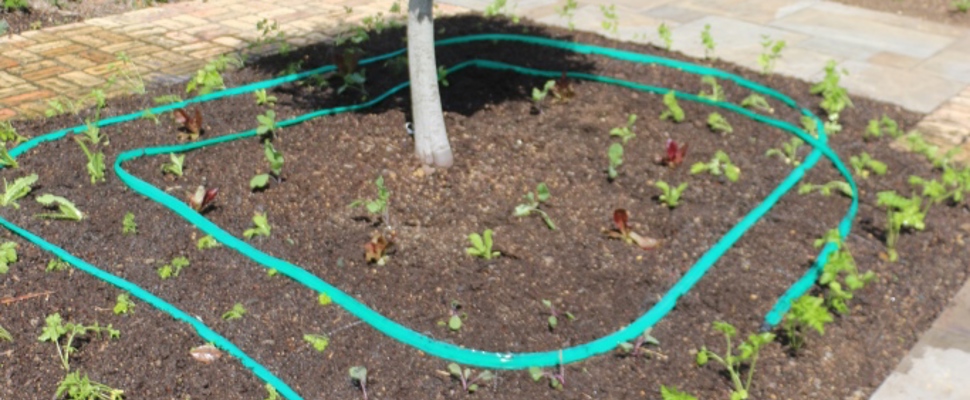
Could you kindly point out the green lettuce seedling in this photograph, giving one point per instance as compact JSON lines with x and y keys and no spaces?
{"x":319,"y":342}
{"x":65,"y":208}
{"x":56,"y":264}
{"x":539,"y":95}
{"x":55,"y":329}
{"x":123,"y":305}
{"x":275,"y":159}
{"x":267,"y":123}
{"x":16,"y":191}
{"x":809,"y":126}
{"x":788,"y":151}
{"x":263,"y":99}
{"x":718,"y":123}
{"x":464,"y":376}
{"x":901,"y":213}
{"x":128,"y":225}
{"x":625,"y":132}
{"x":826,"y":189}
{"x":771,"y":52}
{"x":670,"y":196}
{"x":932,"y":153}
{"x":671,"y":393}
{"x":615,"y":154}
{"x":174,"y":268}
{"x":757,"y":102}
{"x":482,"y":245}
{"x":863,"y":163}
{"x":716,"y":93}
{"x":236,"y":312}
{"x":8,"y":255}
{"x":531,"y":205}
{"x":673,"y":111}
{"x":734,"y":358}
{"x":719,"y":164}
{"x":271,"y":392}
{"x":260,"y":226}
{"x":207,"y":242}
{"x":806,"y":312}
{"x":175,"y":166}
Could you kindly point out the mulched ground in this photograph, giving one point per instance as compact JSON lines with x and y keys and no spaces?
{"x":932,"y":10}
{"x":502,"y":151}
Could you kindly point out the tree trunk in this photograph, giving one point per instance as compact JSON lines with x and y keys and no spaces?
{"x":430,"y":137}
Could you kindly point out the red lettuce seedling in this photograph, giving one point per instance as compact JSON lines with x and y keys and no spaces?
{"x":191,"y":124}
{"x":563,"y":90}
{"x":675,"y":154}
{"x":624,"y":232}
{"x":377,"y":247}
{"x":202,"y":199}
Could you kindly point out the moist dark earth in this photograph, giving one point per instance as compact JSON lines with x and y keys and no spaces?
{"x":503,"y":149}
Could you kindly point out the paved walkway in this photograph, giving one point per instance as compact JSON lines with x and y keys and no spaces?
{"x":918,"y":65}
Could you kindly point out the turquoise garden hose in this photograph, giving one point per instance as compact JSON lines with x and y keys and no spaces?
{"x":479,"y":358}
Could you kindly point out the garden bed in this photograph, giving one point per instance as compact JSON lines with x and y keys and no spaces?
{"x":503,"y":150}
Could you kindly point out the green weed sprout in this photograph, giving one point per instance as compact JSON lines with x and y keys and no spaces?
{"x":716,"y":93}
{"x":464,"y":376}
{"x":128,"y":224}
{"x":531,"y":205}
{"x":718,"y":123}
{"x":123,"y":305}
{"x":319,"y":342}
{"x":788,"y":152}
{"x":207,"y":242}
{"x":901,"y":212}
{"x":806,"y":312}
{"x":275,"y":159}
{"x":16,"y":191}
{"x":835,"y":98}
{"x":264,"y":99}
{"x":757,"y":102}
{"x":173,"y":268}
{"x":670,"y":196}
{"x":671,"y":393}
{"x":747,"y":352}
{"x":615,"y":154}
{"x":442,"y":76}
{"x":556,"y":379}
{"x":625,"y":132}
{"x":482,"y":245}
{"x":673,"y":112}
{"x":719,"y":164}
{"x":8,"y":255}
{"x":260,"y":226}
{"x":771,"y":52}
{"x":884,"y":126}
{"x":664,"y":32}
{"x":174,"y":167}
{"x":708,"y":41}
{"x":65,"y":208}
{"x":456,"y":317}
{"x":863,"y":163}
{"x":826,"y":189}
{"x":236,"y":312}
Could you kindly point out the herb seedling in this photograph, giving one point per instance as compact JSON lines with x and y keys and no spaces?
{"x":376,"y":248}
{"x":539,"y":95}
{"x":719,"y":164}
{"x":932,"y":153}
{"x":128,"y":225}
{"x":615,"y":154}
{"x":809,"y":125}
{"x":55,"y":329}
{"x":568,"y":11}
{"x":469,"y":384}
{"x":747,"y":352}
{"x":676,"y":154}
{"x":173,"y":268}
{"x":236,"y":312}
{"x":553,"y":320}
{"x":174,"y":167}
{"x":267,"y":123}
{"x":962,"y":5}
{"x":757,"y":102}
{"x":673,"y":112}
{"x":556,"y":379}
{"x":952,"y":186}
{"x":95,"y":163}
{"x":16,"y":191}
{"x":191,"y":124}
{"x":65,"y":208}
{"x":6,"y":160}
{"x":718,"y":123}
{"x":826,"y":189}
{"x":74,"y":386}
{"x":378,"y":206}
{"x":842,"y":265}
{"x":638,"y":347}
{"x":9,"y":134}
{"x":358,"y":376}
{"x":263,"y":99}
{"x":663,"y":31}
{"x":611,"y":22}
{"x":625,"y":132}
{"x":8,"y":255}
{"x":209,"y":78}
{"x":531,"y":204}
{"x":275,"y":159}
{"x":482,"y":245}
{"x":455,"y":317}
{"x":716,"y":93}
{"x":92,"y":133}
{"x":207,"y":242}
{"x":806,"y":312}
{"x":54,"y":265}
{"x":901,"y":213}
{"x":835,"y":98}
{"x":771,"y":52}
{"x":123,"y":305}
{"x":271,"y":392}
{"x":863,"y":163}
{"x":623,"y":231}
{"x":260,"y":226}
{"x":878,"y":127}
{"x":319,"y":342}
{"x":788,"y":152}
{"x":670,"y":196}
{"x":202,"y":199}
{"x":708,"y":41}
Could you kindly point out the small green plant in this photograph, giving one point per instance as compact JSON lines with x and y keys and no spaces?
{"x":806,"y":312}
{"x":55,"y":329}
{"x":670,"y":196}
{"x":378,"y":206}
{"x":539,"y":95}
{"x":708,"y":41}
{"x":5,"y":335}
{"x":16,"y":191}
{"x":65,"y":208}
{"x":611,"y":22}
{"x":263,"y":99}
{"x":128,"y":224}
{"x":56,"y":264}
{"x":734,"y":358}
{"x":716,"y":93}
{"x":95,"y":163}
{"x":718,"y":123}
{"x":236,"y":312}
{"x":8,"y":255}
{"x":664,"y":32}
{"x":615,"y":154}
{"x":554,"y":315}
{"x":123,"y":305}
{"x":757,"y":102}
{"x":9,"y":134}
{"x":638,"y":347}
{"x":719,"y":164}
{"x":962,"y":5}
{"x":267,"y":123}
{"x":174,"y":167}
{"x":319,"y":342}
{"x":92,"y":133}
{"x":464,"y":376}
{"x":932,"y":153}
{"x":568,"y":11}
{"x":671,"y":393}
{"x":358,"y":376}
{"x":207,"y":242}
{"x":556,"y":379}
{"x":771,"y":52}
{"x":209,"y":78}
{"x":455,"y":317}
{"x":15,"y":5}
{"x":835,"y":98}
{"x":826,"y":189}
{"x":809,"y":125}
{"x":840,"y":274}
{"x":260,"y":226}
{"x":901,"y":213}
{"x":323,"y":299}
{"x":77,"y":387}
{"x":173,"y":268}
{"x":6,"y":160}
{"x":275,"y":159}
{"x":952,"y":186}
{"x":482,"y":245}
{"x":863,"y":163}
{"x":673,"y":111}
{"x":271,"y":393}
{"x":884,"y":126}
{"x":788,"y":152}
{"x":625,"y":132}
{"x":531,"y":204}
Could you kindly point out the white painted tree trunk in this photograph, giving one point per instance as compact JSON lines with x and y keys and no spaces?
{"x":430,"y":136}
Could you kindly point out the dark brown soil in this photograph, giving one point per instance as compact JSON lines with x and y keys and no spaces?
{"x":931,"y":10}
{"x":502,"y":151}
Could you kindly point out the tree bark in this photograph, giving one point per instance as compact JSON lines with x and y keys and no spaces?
{"x":430,"y":136}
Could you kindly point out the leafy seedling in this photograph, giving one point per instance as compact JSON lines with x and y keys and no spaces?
{"x":708,"y":41}
{"x":173,"y":268}
{"x":538,"y":95}
{"x":323,"y":299}
{"x":638,"y":347}
{"x":568,"y":11}
{"x":757,"y":102}
{"x":716,"y":93}
{"x":806,"y":312}
{"x":788,"y":152}
{"x":675,"y":154}
{"x":733,"y":359}
{"x":174,"y":167}
{"x":663,"y":31}
{"x":962,"y":5}
{"x":319,"y":342}
{"x":5,"y":335}
{"x":826,"y":189}
{"x":556,"y":379}
{"x":884,"y":126}
{"x":191,"y":125}
{"x":901,"y":213}
{"x":6,"y":160}
{"x":375,"y":251}
{"x":553,"y":320}
{"x":236,"y":312}
{"x":77,"y":387}
{"x":835,"y":98}
{"x":271,"y":393}
{"x":378,"y":206}
{"x":531,"y":205}
{"x":201,"y":200}
{"x":625,"y":132}
{"x":123,"y":305}
{"x":263,"y":99}
{"x":54,"y":265}
{"x":673,"y":111}
{"x":275,"y":159}
{"x":863,"y":164}
{"x":443,"y":76}
{"x":771,"y":52}
{"x":671,"y":393}
{"x":464,"y":376}
{"x":615,"y":154}
{"x":55,"y":329}
{"x":65,"y":208}
{"x":455,"y":317}
{"x":16,"y":191}
{"x":932,"y":153}
{"x":719,"y":164}
{"x":207,"y":242}
{"x":128,"y":225}
{"x":8,"y":255}
{"x":809,"y":125}
{"x":718,"y":123}
{"x":260,"y":226}
{"x":623,"y":231}
{"x":482,"y":245}
{"x":670,"y":196}
{"x":840,"y":265}
{"x":95,"y":163}
{"x":358,"y":376}
{"x":209,"y":78}
{"x":9,"y":134}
